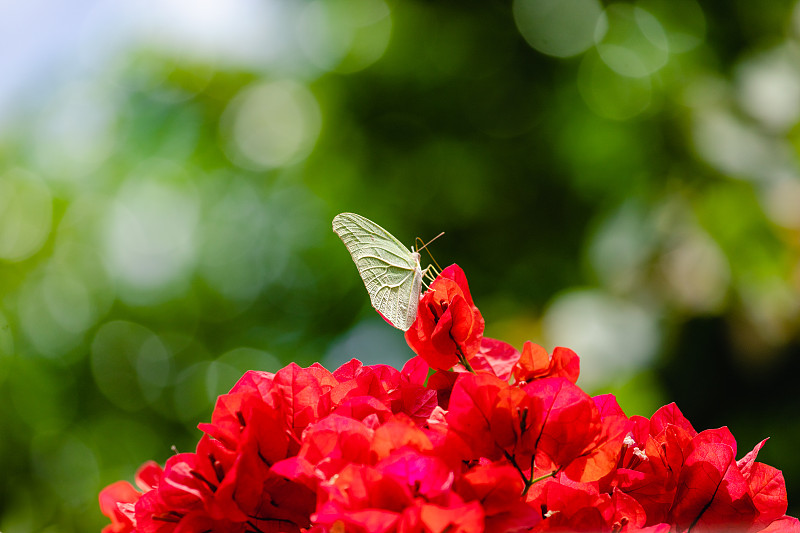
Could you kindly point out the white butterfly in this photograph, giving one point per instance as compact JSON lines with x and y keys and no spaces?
{"x":391,"y":272}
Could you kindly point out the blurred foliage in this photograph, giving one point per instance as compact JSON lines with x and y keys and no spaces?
{"x":619,"y":178}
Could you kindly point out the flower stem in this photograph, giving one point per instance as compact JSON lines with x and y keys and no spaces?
{"x":541,"y":478}
{"x":513,"y":461}
{"x":463,"y":360}
{"x":528,"y":482}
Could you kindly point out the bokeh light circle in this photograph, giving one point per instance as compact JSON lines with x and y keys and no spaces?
{"x":782,"y":201}
{"x":611,"y":335}
{"x":232,"y":259}
{"x":195,"y":390}
{"x":768,"y":87}
{"x":731,"y":144}
{"x":696,"y":271}
{"x":631,"y":41}
{"x":26,"y":213}
{"x":271,"y":125}
{"x":130,"y":364}
{"x":55,"y":308}
{"x":621,"y":245}
{"x":682,"y":20}
{"x":344,"y":35}
{"x":560,"y":28}
{"x":150,"y":241}
{"x":77,"y":132}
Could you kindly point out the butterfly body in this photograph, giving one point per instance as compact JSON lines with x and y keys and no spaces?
{"x":391,"y":272}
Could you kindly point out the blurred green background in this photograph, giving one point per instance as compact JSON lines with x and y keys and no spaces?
{"x":617,"y":177}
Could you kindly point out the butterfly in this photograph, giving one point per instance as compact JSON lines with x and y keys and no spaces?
{"x":391,"y":272}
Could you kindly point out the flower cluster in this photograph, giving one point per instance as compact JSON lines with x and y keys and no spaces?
{"x":470,"y":436}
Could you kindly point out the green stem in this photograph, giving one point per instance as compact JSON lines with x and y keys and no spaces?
{"x":466,"y":364}
{"x":528,"y":482}
{"x":513,"y":462}
{"x":541,"y":478}
{"x":463,"y":360}
{"x":531,"y":482}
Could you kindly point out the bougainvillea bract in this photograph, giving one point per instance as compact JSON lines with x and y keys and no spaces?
{"x":470,"y":436}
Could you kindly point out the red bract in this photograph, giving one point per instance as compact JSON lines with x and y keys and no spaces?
{"x":493,"y":440}
{"x":496,"y":357}
{"x":566,"y":423}
{"x":300,"y":395}
{"x":568,"y":505}
{"x":540,"y":428}
{"x":116,"y":503}
{"x":497,"y":487}
{"x":784,"y":524}
{"x":712,"y":494}
{"x":716,"y":492}
{"x":652,"y":456}
{"x":534,"y":363}
{"x":449,"y":327}
{"x":336,"y":442}
{"x":472,"y":404}
{"x":602,"y":456}
{"x":692,"y":480}
{"x":399,"y":432}
{"x":404,"y":492}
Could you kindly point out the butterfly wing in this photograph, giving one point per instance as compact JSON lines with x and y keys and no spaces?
{"x":391,"y":272}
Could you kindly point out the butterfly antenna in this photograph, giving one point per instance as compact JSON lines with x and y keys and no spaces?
{"x":427,"y":243}
{"x":431,"y":272}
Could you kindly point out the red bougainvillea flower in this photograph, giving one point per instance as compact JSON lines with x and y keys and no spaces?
{"x":540,"y":428}
{"x":564,"y":424}
{"x":692,"y":480}
{"x":493,"y":441}
{"x":651,"y":459}
{"x":364,"y":449}
{"x":715,"y":492}
{"x":449,"y":327}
